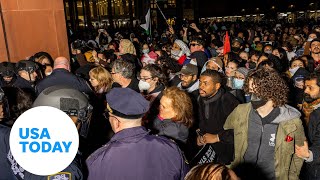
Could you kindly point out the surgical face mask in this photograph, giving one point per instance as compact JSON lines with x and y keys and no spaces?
{"x":145,"y":51}
{"x":164,"y":39}
{"x":310,"y":39}
{"x":252,"y":65}
{"x":238,"y":83}
{"x":293,"y":70}
{"x":257,"y":102}
{"x":247,"y":50}
{"x":235,"y":49}
{"x":268,"y":51}
{"x":143,"y":85}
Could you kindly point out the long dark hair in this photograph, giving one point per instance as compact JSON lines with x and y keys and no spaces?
{"x":18,"y":101}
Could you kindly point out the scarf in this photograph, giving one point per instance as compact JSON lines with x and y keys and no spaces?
{"x":308,"y":108}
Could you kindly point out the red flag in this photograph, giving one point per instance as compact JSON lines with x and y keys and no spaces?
{"x":226,"y":46}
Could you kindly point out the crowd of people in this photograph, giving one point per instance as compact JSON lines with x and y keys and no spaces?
{"x":207,"y":101}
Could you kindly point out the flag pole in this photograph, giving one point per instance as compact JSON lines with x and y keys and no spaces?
{"x":150,"y":24}
{"x":162,"y":14}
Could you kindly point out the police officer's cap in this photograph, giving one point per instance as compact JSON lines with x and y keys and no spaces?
{"x":26,"y":65}
{"x":126,"y":103}
{"x":7,"y":69}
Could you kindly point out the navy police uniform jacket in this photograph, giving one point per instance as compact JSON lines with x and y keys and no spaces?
{"x":134,"y":154}
{"x":11,"y":170}
{"x":18,"y":82}
{"x":8,"y":168}
{"x":73,"y":172}
{"x":63,"y":77}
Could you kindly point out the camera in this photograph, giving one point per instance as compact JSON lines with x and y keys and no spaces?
{"x":185,"y":23}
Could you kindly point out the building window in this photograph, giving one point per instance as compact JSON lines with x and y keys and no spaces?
{"x":172,"y":3}
{"x":153,"y":4}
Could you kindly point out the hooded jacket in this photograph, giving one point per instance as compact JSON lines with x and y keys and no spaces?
{"x":212,"y":115}
{"x":289,"y":133}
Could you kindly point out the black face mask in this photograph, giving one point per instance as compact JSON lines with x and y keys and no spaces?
{"x":308,"y":99}
{"x":235,"y":49}
{"x":257,"y":102}
{"x":252,"y":65}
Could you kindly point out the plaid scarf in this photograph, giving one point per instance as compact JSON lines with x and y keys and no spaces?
{"x":308,"y":108}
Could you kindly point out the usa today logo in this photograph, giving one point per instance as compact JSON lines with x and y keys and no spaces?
{"x":44,"y":140}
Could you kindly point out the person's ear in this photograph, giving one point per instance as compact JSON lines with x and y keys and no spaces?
{"x":218,"y":85}
{"x":156,"y":79}
{"x":117,"y":124}
{"x":194,"y":77}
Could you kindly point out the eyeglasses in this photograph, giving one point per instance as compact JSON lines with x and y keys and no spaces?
{"x":143,"y":78}
{"x":194,"y":44}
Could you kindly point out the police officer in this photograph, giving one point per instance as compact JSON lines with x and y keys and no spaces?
{"x":77,"y":106}
{"x":13,"y":102}
{"x":5,"y":170}
{"x":132,"y":153}
{"x":61,"y":75}
{"x":27,"y":70}
{"x":9,"y":78}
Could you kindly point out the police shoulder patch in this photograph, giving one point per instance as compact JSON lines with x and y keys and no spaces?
{"x":60,"y":176}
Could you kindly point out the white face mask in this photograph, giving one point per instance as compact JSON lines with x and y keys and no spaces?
{"x":143,"y":86}
{"x":145,"y":51}
{"x":294,"y":70}
{"x":268,"y":52}
{"x":310,"y":39}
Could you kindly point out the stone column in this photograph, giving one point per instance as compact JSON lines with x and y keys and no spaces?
{"x":32,"y":26}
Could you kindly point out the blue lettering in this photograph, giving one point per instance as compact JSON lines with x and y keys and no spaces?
{"x":57,"y":147}
{"x":34,"y":132}
{"x":37,"y":147}
{"x":45,"y":133}
{"x":67,"y":146}
{"x":44,"y":145}
{"x":24,"y":146}
{"x":21,"y":133}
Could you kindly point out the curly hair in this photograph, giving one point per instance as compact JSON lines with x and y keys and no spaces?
{"x":19,"y":101}
{"x":127,"y":47}
{"x":209,"y":171}
{"x":181,"y":104}
{"x":268,"y":85}
{"x":156,"y":72}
